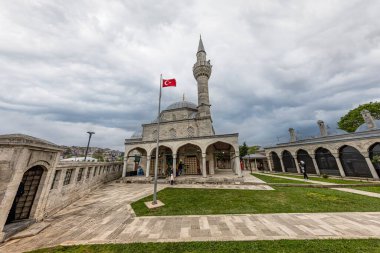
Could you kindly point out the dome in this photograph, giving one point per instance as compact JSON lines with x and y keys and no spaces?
{"x":182,"y":104}
{"x":335,"y":131}
{"x":363,"y":127}
{"x":136,"y":135}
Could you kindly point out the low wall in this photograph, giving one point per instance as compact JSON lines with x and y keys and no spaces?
{"x":85,"y":177}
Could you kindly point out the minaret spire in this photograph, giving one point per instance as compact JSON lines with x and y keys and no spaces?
{"x":200,"y":46}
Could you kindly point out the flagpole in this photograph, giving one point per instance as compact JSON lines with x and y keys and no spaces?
{"x":158,"y":139}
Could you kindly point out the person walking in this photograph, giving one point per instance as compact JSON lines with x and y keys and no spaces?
{"x":172,"y":179}
{"x":303,"y":170}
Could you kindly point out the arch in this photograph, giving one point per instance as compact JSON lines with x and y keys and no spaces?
{"x":353,"y":163}
{"x":27,"y":194}
{"x":374,"y":150}
{"x":189,"y":159}
{"x":135,"y":157}
{"x":288,"y":161}
{"x":303,"y":155}
{"x":326,"y":162}
{"x":275,"y":161}
{"x":165,"y":161}
{"x":221,"y":155}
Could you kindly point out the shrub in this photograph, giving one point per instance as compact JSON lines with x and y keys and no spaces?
{"x":376,"y":159}
{"x":325,"y":176}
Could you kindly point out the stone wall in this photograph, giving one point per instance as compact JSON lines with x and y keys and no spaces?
{"x":92,"y":176}
{"x":21,"y":156}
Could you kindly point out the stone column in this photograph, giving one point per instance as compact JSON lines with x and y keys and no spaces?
{"x":315,"y":165}
{"x":125,"y":166}
{"x":237,"y":164}
{"x":269,"y":163}
{"x":372,"y":168}
{"x":204,"y":172}
{"x":147,"y":172}
{"x":297,"y":165}
{"x":174,"y":165}
{"x":282,"y":165}
{"x":340,"y":167}
{"x":212,"y":165}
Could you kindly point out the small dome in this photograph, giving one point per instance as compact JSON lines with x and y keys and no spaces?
{"x":335,"y":131}
{"x":136,"y":135}
{"x":363,"y":127}
{"x":182,"y":104}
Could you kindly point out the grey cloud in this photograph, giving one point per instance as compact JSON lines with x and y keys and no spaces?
{"x":73,"y":65}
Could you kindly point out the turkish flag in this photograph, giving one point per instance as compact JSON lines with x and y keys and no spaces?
{"x":168,"y":83}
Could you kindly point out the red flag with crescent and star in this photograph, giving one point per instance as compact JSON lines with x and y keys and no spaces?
{"x":169,"y":83}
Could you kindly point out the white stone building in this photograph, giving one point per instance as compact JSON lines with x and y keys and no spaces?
{"x":186,"y":135}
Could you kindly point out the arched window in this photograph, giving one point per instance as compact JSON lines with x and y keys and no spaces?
{"x":326,"y":162}
{"x":276,"y":162}
{"x":190,"y":131}
{"x":288,"y":162}
{"x":302,"y":155}
{"x":354,"y":163}
{"x":172,"y":133}
{"x":154,"y":135}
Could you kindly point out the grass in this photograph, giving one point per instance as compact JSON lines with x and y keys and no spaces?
{"x":328,"y":180}
{"x":277,"y":180}
{"x":283,"y":200}
{"x":284,"y":246}
{"x":375,"y":189}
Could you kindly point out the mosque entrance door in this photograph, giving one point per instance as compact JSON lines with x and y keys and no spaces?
{"x":25,"y":195}
{"x":192,"y":166}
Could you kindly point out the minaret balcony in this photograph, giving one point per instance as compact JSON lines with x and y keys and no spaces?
{"x":202,"y":68}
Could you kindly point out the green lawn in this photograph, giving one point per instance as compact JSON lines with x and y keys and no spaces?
{"x":282,"y":200}
{"x":369,"y":188}
{"x":283,"y":246}
{"x":270,"y":179}
{"x":328,"y":180}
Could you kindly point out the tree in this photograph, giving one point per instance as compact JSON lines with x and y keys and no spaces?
{"x":98,"y":155}
{"x":253,"y":149}
{"x":243,"y":149}
{"x":353,"y":119}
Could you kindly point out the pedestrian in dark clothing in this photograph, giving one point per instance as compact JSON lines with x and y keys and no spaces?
{"x":303,"y":170}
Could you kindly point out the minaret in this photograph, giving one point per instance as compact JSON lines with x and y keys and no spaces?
{"x":202,"y":72}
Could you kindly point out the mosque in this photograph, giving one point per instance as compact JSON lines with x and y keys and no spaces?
{"x":187,"y":137}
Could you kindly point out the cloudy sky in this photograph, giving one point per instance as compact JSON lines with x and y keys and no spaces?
{"x":67,"y":67}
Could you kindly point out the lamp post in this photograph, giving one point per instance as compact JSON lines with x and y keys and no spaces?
{"x":88,"y":144}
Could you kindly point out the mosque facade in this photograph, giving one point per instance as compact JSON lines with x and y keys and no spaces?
{"x":187,"y":137}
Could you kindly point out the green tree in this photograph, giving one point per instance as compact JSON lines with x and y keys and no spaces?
{"x":353,"y":119}
{"x":98,"y":155}
{"x":243,"y":149}
{"x":253,"y":149}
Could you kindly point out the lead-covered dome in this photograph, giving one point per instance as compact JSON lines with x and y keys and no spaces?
{"x":182,"y":104}
{"x":363,"y":127}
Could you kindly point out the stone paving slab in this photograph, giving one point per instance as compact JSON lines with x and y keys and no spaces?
{"x":105,"y":216}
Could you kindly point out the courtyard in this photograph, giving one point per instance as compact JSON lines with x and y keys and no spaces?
{"x":115,"y":214}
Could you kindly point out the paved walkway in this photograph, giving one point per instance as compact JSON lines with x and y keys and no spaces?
{"x":360,"y":192}
{"x":105,"y":216}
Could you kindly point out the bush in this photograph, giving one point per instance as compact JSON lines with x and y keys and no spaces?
{"x":376,"y":159}
{"x":325,"y":176}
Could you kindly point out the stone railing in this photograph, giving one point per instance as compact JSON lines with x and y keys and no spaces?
{"x":72,"y":180}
